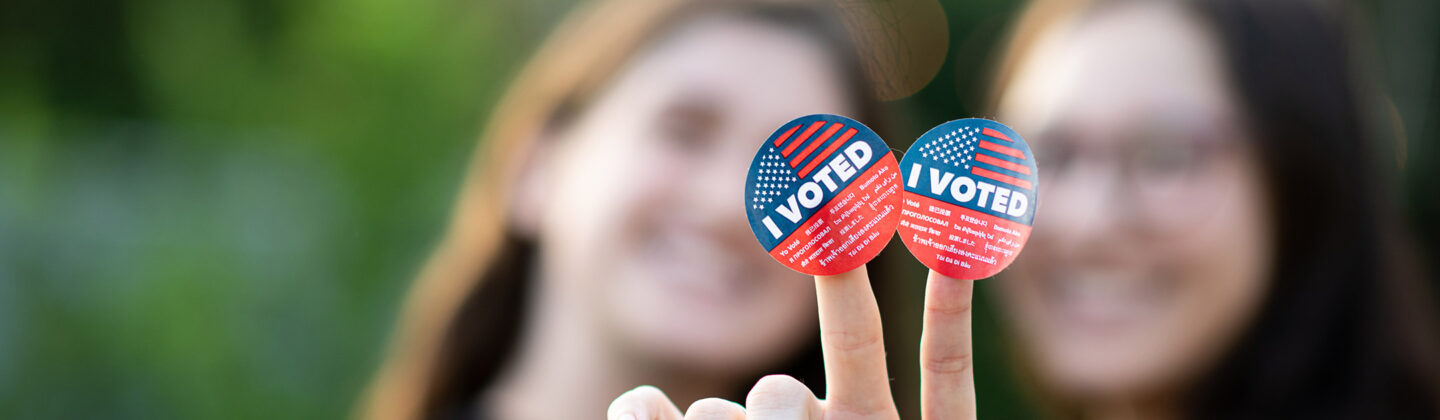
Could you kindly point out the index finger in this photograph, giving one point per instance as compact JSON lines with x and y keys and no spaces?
{"x":856,"y":379}
{"x":947,"y":376}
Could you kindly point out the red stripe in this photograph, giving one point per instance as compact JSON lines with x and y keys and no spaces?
{"x":995,"y":134}
{"x":828,"y":150}
{"x":815,"y":144}
{"x":786,"y":135}
{"x":799,"y":140}
{"x":1001,"y":149}
{"x":987,"y":159}
{"x":1001,"y":177}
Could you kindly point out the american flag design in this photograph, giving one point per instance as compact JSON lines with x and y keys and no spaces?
{"x":969,"y":197}
{"x":823,"y":194}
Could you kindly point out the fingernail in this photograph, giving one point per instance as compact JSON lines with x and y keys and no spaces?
{"x":627,"y":416}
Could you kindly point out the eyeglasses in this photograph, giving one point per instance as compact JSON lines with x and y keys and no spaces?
{"x":1171,"y":173}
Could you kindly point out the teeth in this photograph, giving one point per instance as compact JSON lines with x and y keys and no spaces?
{"x":703,"y":255}
{"x":700,"y":262}
{"x":1101,"y":297}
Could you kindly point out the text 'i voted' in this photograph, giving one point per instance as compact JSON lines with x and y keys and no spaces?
{"x":969,"y":200}
{"x":823,"y":194}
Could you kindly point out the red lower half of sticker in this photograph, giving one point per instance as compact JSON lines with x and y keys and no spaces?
{"x":956,"y":241}
{"x":851,"y":229}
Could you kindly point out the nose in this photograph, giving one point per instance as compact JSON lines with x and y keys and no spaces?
{"x":714,"y":200}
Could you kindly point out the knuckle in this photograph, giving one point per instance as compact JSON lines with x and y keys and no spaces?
{"x":781,"y":396}
{"x":646,"y":393}
{"x":948,"y":364}
{"x":712,"y":408}
{"x":852,"y":341}
{"x":948,"y":308}
{"x":632,"y":400}
{"x":778,"y":386}
{"x":778,"y":382}
{"x":639,"y":397}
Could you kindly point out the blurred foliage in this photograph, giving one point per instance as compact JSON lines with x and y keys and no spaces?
{"x":211,"y":208}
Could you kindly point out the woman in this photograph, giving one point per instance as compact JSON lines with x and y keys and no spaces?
{"x":1214,"y":241}
{"x":598,"y":243}
{"x":1212,"y":238}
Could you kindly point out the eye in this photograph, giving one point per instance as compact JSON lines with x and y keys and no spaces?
{"x":690,"y":125}
{"x":1175,"y":146}
{"x":1053,"y":154}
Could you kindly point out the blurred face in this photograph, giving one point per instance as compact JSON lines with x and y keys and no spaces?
{"x":642,"y":230}
{"x":1151,"y":244}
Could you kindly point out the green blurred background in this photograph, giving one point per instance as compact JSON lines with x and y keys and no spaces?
{"x":211,"y":208}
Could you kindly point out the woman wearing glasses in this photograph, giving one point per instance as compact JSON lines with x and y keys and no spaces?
{"x":1212,"y":239}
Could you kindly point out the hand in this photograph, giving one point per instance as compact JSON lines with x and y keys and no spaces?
{"x":858,"y":385}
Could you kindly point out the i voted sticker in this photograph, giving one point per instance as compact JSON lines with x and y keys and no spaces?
{"x":823,"y":194}
{"x":969,"y":198}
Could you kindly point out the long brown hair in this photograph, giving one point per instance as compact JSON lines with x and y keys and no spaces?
{"x":1347,"y":330}
{"x":460,"y":321}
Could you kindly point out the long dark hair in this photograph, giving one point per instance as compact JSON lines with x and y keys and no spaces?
{"x":1347,"y":329}
{"x":463,"y":317}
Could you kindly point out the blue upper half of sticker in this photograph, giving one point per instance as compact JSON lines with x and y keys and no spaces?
{"x":801,"y":167}
{"x":974,"y":163}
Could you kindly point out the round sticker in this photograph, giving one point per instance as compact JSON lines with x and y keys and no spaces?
{"x":969,"y":198}
{"x":823,"y":194}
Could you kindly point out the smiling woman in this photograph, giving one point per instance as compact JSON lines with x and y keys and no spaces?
{"x":1199,"y":252}
{"x":580,"y":262}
